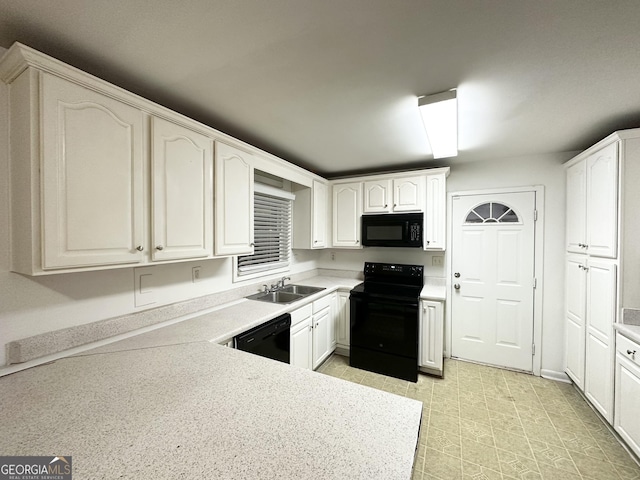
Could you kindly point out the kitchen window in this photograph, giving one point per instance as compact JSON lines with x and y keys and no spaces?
{"x":272,"y":233}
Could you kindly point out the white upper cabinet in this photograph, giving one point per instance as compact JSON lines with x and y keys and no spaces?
{"x":403,"y":194}
{"x":182,"y":192}
{"x":377,"y":196}
{"x":602,"y":202}
{"x":347,"y":210}
{"x":233,"y":201}
{"x":435,"y":217}
{"x":319,"y":214}
{"x":408,"y":194}
{"x":592,"y":204}
{"x":310,"y":216}
{"x":92,"y":173}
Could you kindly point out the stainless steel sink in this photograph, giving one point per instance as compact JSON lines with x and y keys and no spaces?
{"x":288,"y":294}
{"x":301,"y":289}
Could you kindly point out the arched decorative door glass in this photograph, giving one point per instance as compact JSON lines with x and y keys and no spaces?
{"x":492,"y":212}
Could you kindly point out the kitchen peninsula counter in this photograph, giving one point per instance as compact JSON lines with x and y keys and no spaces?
{"x":200,"y":410}
{"x":172,"y":403}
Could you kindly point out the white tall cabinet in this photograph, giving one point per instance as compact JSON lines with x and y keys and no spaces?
{"x":601,"y":272}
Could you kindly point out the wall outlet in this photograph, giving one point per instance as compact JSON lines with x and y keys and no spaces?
{"x":437,"y":260}
{"x":195,"y":274}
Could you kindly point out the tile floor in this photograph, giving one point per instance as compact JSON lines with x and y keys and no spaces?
{"x":483,"y":423}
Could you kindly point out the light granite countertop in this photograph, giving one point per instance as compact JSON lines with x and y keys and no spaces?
{"x":200,"y":410}
{"x":171,"y":403}
{"x":225,"y":323}
{"x":434,"y":289}
{"x":632,"y":332}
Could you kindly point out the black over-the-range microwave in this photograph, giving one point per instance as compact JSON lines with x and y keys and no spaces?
{"x":393,"y":230}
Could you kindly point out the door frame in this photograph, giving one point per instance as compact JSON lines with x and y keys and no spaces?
{"x":538,"y":265}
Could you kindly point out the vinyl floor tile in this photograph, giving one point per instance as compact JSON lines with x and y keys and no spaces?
{"x":484,"y":423}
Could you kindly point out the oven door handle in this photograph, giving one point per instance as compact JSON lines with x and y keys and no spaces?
{"x":385,"y":301}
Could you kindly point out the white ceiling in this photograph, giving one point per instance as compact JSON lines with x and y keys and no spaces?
{"x":332,"y":84}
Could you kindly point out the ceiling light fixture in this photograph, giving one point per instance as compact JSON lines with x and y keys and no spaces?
{"x":440,"y":117}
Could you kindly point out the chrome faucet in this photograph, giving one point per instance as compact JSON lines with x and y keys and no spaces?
{"x":282,"y":280}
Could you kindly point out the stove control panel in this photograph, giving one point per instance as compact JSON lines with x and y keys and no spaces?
{"x":393,"y":272}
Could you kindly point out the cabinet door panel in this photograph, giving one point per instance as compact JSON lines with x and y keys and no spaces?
{"x":182,"y":176}
{"x":435,"y":221}
{"x":577,"y":207}
{"x":598,"y":382}
{"x":601,"y":299}
{"x":344,"y":325}
{"x":321,"y":337}
{"x":92,"y":177}
{"x":602,"y":202}
{"x":407,"y":194}
{"x":319,"y":214}
{"x":234,"y":201}
{"x":376,"y":196}
{"x":347,"y":209}
{"x":627,"y":397}
{"x":575,"y":304}
{"x":300,"y":345}
{"x":431,"y":338}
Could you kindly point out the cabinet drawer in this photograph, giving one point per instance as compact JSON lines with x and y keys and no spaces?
{"x":300,"y":314}
{"x":321,"y":303}
{"x":626,"y":347}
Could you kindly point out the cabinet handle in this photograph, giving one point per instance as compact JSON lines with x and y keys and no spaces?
{"x":252,"y":244}
{"x":357,"y":242}
{"x":140,"y":248}
{"x":631,"y":352}
{"x":386,"y":205}
{"x":457,"y":286}
{"x":159,"y":247}
{"x":428,"y":241}
{"x":310,"y":327}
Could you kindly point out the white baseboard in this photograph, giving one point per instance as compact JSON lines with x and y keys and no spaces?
{"x":553,"y":375}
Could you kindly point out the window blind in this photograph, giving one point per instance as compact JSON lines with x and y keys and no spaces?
{"x":272,"y":235}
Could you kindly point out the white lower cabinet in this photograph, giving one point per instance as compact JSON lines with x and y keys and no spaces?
{"x":300,"y":346}
{"x":313,"y":332}
{"x":343,"y":322}
{"x":627,"y":392}
{"x":430,"y":333}
{"x":322,"y":330}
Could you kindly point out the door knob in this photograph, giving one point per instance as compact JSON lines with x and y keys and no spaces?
{"x":457,"y":275}
{"x":457,"y":286}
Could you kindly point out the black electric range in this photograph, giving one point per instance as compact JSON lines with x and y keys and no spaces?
{"x":384,"y":320}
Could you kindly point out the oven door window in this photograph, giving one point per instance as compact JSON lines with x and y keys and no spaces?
{"x":385,"y":326}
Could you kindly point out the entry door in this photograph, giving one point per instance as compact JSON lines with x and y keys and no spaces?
{"x":493,"y":279}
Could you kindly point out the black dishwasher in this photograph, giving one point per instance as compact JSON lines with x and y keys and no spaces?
{"x":270,"y":340}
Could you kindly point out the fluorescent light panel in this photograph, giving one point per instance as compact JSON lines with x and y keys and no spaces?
{"x":440,"y":117}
